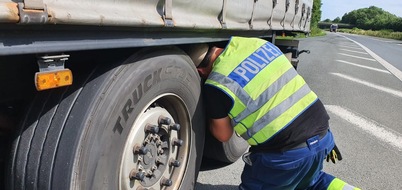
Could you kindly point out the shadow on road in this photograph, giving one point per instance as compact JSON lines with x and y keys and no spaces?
{"x":200,"y":186}
{"x":211,"y":164}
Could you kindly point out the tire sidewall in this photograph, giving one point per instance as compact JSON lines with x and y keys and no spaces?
{"x":234,"y":148}
{"x":227,"y":152}
{"x":99,"y":157}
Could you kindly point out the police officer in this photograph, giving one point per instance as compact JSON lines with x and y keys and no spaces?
{"x":252,"y":87}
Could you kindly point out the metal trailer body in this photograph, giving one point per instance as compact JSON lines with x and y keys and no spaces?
{"x":120,"y":23}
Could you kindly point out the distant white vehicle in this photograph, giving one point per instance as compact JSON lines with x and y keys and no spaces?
{"x":333,"y":27}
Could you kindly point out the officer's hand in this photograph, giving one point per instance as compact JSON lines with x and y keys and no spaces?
{"x":334,"y":155}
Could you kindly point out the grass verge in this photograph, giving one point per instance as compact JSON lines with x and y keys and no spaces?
{"x":380,"y":33}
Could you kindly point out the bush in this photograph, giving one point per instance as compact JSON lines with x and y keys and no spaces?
{"x":381,"y":33}
{"x":315,"y":31}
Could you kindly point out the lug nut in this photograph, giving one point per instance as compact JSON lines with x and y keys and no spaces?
{"x":166,"y":182}
{"x":159,"y":161}
{"x":175,"y":127}
{"x":164,"y":120}
{"x":174,"y":163}
{"x":151,"y":129}
{"x":177,"y":142}
{"x":140,"y":150}
{"x":137,"y":175}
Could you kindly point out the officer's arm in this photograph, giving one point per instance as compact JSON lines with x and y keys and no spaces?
{"x":221,"y":129}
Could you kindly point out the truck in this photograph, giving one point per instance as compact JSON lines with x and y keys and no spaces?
{"x":333,"y":28}
{"x":102,"y":94}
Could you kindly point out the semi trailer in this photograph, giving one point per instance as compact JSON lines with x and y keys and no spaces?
{"x":101,"y":94}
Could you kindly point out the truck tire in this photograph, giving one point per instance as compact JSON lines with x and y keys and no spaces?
{"x":136,"y":125}
{"x":226,"y":152}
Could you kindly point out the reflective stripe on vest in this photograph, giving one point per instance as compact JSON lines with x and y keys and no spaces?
{"x":267,"y":92}
{"x":337,"y":184}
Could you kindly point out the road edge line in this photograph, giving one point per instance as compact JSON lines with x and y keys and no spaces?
{"x":397,"y":73}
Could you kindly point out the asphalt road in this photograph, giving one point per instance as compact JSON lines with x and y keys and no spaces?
{"x":358,"y":78}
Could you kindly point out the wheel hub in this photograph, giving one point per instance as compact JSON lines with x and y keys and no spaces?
{"x":155,"y":152}
{"x":153,"y":163}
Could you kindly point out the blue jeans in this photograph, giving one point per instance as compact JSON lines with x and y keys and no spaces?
{"x":294,"y":169}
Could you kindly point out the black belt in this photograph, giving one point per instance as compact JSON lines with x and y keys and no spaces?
{"x":257,"y":149}
{"x":304,"y":144}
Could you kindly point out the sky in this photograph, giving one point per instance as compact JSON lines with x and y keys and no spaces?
{"x":337,"y":8}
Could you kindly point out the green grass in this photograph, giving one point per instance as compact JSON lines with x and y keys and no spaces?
{"x":380,"y":33}
{"x":315,"y":31}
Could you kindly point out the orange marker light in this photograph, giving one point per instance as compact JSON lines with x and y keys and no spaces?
{"x":53,"y":79}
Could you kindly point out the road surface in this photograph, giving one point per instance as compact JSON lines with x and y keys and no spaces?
{"x":359,"y":80}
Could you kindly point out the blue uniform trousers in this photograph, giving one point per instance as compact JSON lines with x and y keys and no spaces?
{"x":293,"y":169}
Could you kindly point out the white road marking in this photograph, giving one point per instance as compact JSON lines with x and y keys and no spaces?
{"x":397,"y":73}
{"x":363,"y":66}
{"x":353,"y":51}
{"x":371,"y":85}
{"x":350,"y":47}
{"x":365,"y":58}
{"x":386,"y":41}
{"x":375,"y":129}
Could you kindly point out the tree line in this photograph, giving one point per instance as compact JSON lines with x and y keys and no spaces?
{"x":372,"y":18}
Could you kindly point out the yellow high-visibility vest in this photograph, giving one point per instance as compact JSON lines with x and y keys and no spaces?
{"x":338,"y":184}
{"x":266,"y":90}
